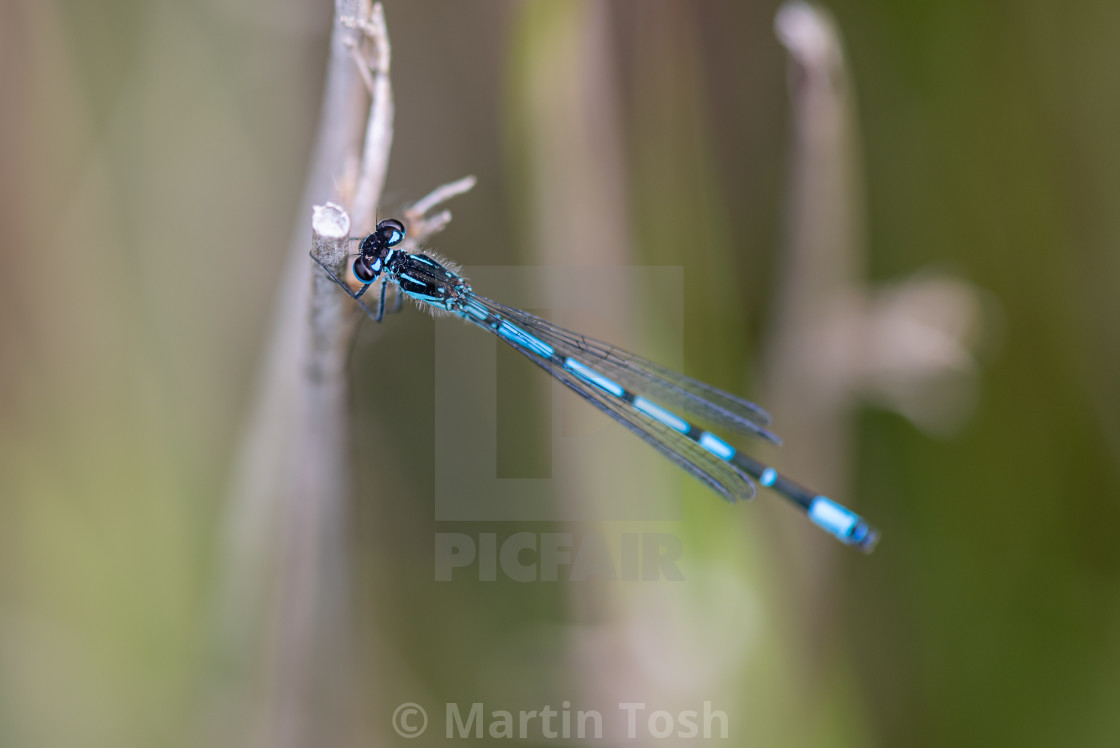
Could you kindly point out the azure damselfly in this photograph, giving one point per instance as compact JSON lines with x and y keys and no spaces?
{"x":641,"y":395}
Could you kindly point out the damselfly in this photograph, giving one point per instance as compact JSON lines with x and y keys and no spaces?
{"x":641,"y":395}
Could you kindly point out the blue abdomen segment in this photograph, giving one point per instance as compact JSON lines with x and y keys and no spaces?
{"x":657,"y":413}
{"x":716,"y":446}
{"x":518,"y":336}
{"x":475,"y":310}
{"x":841,"y":522}
{"x":589,"y":375}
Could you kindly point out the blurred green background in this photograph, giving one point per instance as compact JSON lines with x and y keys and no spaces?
{"x":152,"y":164}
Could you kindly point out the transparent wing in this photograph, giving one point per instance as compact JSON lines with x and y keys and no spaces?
{"x":644,"y":377}
{"x":724,"y":478}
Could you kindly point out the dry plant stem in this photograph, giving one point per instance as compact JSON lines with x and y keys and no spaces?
{"x":821,"y":263}
{"x":837,"y":339}
{"x":421,"y":226}
{"x":379,"y":123}
{"x":822,"y":260}
{"x":441,"y":195}
{"x":285,"y":570}
{"x":576,"y":178}
{"x":286,"y":549}
{"x":332,"y":318}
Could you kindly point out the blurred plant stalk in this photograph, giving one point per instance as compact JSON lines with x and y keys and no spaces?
{"x":282,"y":606}
{"x":283,"y":628}
{"x":577,"y":209}
{"x":283,"y":636}
{"x":836,"y":340}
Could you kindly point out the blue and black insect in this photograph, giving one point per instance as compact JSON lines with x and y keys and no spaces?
{"x":641,"y":395}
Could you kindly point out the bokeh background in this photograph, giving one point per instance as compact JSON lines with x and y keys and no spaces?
{"x":152,"y":165}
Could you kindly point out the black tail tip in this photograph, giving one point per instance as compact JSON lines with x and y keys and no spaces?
{"x":864,"y":537}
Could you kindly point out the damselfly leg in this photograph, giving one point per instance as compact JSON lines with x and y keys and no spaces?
{"x":355,"y":295}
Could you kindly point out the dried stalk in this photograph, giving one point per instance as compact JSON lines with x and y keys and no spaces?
{"x":284,"y":568}
{"x":837,"y":339}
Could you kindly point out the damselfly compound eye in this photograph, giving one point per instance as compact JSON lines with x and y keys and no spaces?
{"x":391,"y":230}
{"x":365,"y":272}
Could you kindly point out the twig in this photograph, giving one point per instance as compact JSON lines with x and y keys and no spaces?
{"x":836,"y":338}
{"x":822,"y":262}
{"x":374,"y":68}
{"x":285,"y":561}
{"x":441,"y":195}
{"x":420,"y":226}
{"x":332,"y":319}
{"x":285,"y":572}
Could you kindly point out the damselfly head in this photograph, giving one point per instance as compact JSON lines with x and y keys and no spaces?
{"x":375,"y":248}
